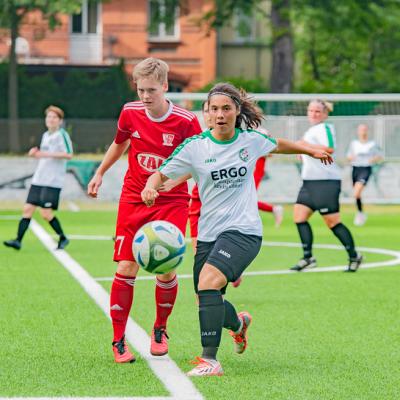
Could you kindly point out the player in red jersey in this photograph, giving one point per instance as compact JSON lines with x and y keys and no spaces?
{"x":152,"y":128}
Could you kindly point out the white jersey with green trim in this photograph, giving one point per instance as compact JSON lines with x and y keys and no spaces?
{"x":363,"y":152}
{"x":313,"y":169}
{"x":51,"y":171}
{"x":223,"y":171}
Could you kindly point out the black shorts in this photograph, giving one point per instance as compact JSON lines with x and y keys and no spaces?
{"x":231,"y":253}
{"x":321,"y":196}
{"x":44,"y":196}
{"x":361,"y":174}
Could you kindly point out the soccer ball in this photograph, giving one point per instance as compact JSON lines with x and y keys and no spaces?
{"x":159,"y":247}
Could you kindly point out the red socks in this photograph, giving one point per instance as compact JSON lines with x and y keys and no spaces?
{"x":165,"y":299}
{"x":121,"y":299}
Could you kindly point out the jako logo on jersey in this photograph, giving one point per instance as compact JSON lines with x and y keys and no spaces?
{"x":243,"y":154}
{"x":228,"y":173}
{"x":168,"y":139}
{"x":150,"y":162}
{"x":224,"y":253}
{"x":210,"y":160}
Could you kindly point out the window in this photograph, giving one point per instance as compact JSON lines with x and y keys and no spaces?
{"x":87,"y":20}
{"x":245,"y":28}
{"x":163,"y":20}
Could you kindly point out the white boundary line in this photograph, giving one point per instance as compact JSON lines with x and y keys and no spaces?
{"x":389,"y":263}
{"x":10,"y":217}
{"x":88,"y":398}
{"x":175,"y":381}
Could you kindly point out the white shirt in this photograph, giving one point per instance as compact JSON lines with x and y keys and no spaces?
{"x":313,"y":169}
{"x":51,"y":171}
{"x":363,"y":152}
{"x":223,"y":171}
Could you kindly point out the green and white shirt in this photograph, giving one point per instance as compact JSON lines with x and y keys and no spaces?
{"x":223,"y":171}
{"x":313,"y":169}
{"x":51,"y":171}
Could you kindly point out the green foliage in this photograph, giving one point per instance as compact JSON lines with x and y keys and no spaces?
{"x":49,"y":9}
{"x":256,"y":85}
{"x":80,"y":94}
{"x":348,"y":46}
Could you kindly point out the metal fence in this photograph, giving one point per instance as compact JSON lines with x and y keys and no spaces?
{"x":94,"y":136}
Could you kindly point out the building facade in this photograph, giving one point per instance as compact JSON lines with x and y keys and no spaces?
{"x":103,"y":33}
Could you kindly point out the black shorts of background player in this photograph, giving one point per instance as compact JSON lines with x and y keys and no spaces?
{"x":55,"y":149}
{"x":320,"y":191}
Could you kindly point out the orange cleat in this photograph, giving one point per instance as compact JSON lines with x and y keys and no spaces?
{"x":205,"y":367}
{"x":240,"y":339}
{"x":159,"y":343}
{"x":122,"y":353}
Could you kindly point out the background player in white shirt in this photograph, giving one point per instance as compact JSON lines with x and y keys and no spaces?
{"x":48,"y":179}
{"x":362,"y":154}
{"x":320,"y":190}
{"x":222,"y":162}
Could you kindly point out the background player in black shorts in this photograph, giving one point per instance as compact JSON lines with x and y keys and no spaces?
{"x":362,"y":154}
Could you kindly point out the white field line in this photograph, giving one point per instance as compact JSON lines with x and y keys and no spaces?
{"x":389,"y":263}
{"x":73,"y":206}
{"x":87,"y":398}
{"x":10,"y":217}
{"x":175,"y":381}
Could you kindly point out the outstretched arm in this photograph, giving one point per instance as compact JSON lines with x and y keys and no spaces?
{"x":328,"y":149}
{"x":149,"y":193}
{"x":37,"y":153}
{"x":113,"y":153}
{"x":169,"y":184}
{"x":285,"y":146}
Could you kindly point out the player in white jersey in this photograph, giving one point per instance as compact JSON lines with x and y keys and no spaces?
{"x":222,"y":161}
{"x":320,"y":191}
{"x":48,"y":179}
{"x":362,"y":154}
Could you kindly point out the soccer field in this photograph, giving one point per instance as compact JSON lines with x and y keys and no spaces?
{"x":318,"y":335}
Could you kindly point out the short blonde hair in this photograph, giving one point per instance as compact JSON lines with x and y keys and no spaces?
{"x":56,"y":110}
{"x":327,"y":105}
{"x":151,"y":67}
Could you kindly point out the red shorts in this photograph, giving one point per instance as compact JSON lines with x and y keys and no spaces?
{"x":194,"y":211}
{"x":132,"y":216}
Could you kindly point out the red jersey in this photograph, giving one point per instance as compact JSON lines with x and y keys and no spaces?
{"x":152,"y":140}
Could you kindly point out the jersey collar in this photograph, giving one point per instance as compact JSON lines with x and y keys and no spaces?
{"x":235,"y":136}
{"x":164,"y":117}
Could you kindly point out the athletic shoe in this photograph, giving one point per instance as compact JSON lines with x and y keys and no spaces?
{"x":354,"y":263}
{"x":62,"y":243}
{"x":304,"y":263}
{"x":159,"y":343}
{"x":206,"y":367}
{"x":240,"y":339}
{"x":122,"y":353}
{"x":360,"y":219}
{"x":15,"y":244}
{"x":237,"y":282}
{"x":278,"y":215}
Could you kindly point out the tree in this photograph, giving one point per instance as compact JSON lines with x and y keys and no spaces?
{"x":279,"y":16}
{"x":348,"y":46}
{"x":12,"y":14}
